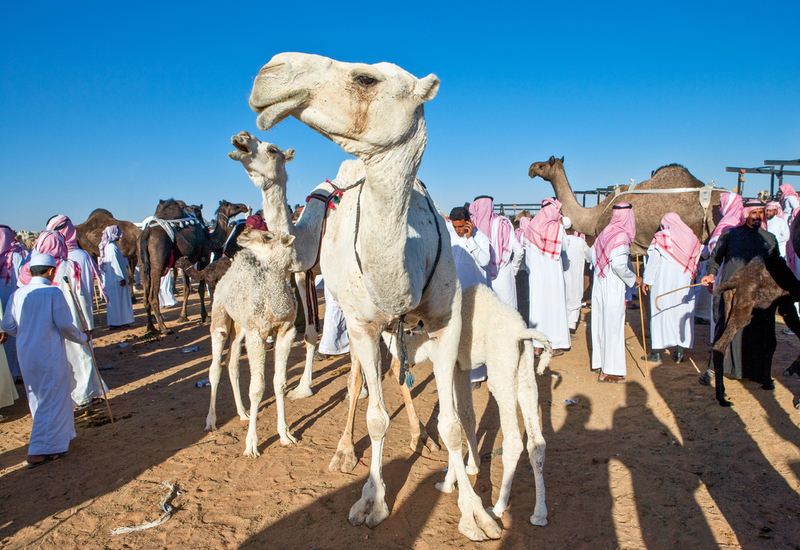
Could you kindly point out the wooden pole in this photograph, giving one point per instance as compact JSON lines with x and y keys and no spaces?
{"x":641,"y":317}
{"x":91,"y":350}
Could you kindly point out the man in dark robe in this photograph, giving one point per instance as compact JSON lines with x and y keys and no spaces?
{"x":750,"y":354}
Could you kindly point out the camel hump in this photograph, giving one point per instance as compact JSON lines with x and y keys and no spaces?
{"x":671,"y":176}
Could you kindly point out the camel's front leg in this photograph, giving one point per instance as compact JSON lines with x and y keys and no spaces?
{"x":345,"y":457}
{"x":303,"y":388}
{"x":506,"y":398}
{"x":256,"y":353}
{"x":187,"y":290}
{"x":283,"y":345}
{"x":421,"y":442}
{"x":218,"y":337}
{"x":236,"y":337}
{"x":371,"y":508}
{"x":475,"y":522}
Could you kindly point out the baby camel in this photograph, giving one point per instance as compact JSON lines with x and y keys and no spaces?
{"x":494,"y":334}
{"x":254,"y":295}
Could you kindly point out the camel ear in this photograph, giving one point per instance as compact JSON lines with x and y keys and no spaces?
{"x":287,"y":240}
{"x":562,"y":160}
{"x":552,"y":160}
{"x":427,"y":88}
{"x":288,"y":155}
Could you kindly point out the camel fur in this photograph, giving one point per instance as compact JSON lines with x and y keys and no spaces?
{"x":254,"y":295}
{"x":379,"y":252}
{"x":210,"y":275}
{"x":494,"y":334}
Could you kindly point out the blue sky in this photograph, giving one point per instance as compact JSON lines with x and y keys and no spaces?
{"x":120,"y":104}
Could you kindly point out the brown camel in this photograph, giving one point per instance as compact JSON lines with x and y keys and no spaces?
{"x":648,"y":208}
{"x":222,"y":229}
{"x":158,"y":251}
{"x":210,"y":275}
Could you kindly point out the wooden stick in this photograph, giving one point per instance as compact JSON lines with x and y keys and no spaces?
{"x":91,"y":350}
{"x":676,"y":290}
{"x":641,"y":316}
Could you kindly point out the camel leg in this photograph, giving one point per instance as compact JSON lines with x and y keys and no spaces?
{"x":201,"y":290}
{"x":237,"y":335}
{"x":187,"y":290}
{"x":283,"y":345}
{"x":420,"y":441}
{"x":345,"y":457}
{"x":371,"y":508}
{"x":475,"y":522}
{"x":155,"y":281}
{"x":256,"y":354}
{"x":528,"y":396}
{"x":219,"y":334}
{"x":512,"y":443}
{"x":303,"y":388}
{"x":466,"y":415}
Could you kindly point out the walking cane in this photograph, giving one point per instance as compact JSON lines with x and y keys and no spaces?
{"x":641,"y":316}
{"x":91,"y":350}
{"x":676,"y":290}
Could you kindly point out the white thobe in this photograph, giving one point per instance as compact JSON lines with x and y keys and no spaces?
{"x":165,"y":296}
{"x":471,"y":256}
{"x":114,"y":270}
{"x":548,"y":295}
{"x":608,"y":312}
{"x":778,"y":227}
{"x":789,"y":206}
{"x":38,"y":315}
{"x":84,"y":385}
{"x":505,"y":284}
{"x":335,"y":340}
{"x":703,"y":300}
{"x":674,"y":324}
{"x":574,"y":255}
{"x":8,"y":393}
{"x":86,"y":293}
{"x":6,"y":289}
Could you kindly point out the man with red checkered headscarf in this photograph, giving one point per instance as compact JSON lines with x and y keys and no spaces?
{"x":543,"y":238}
{"x":671,"y":265}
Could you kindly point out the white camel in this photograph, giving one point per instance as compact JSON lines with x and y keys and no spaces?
{"x":491,"y":335}
{"x":379,"y":253}
{"x":265,"y":165}
{"x":254,"y":295}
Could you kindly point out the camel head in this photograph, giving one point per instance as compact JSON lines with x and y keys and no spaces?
{"x":265,"y":162}
{"x":271,"y":247}
{"x":230,"y":209}
{"x":366,"y":109}
{"x":547,"y":169}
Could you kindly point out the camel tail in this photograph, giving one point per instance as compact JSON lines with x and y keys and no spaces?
{"x":544,"y":359}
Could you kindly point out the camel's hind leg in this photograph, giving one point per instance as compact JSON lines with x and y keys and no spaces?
{"x":303,"y":388}
{"x":421,"y":442}
{"x":237,"y":335}
{"x":221,"y":324}
{"x":466,"y":414}
{"x":187,"y":290}
{"x":345,"y":457}
{"x":528,"y":396}
{"x":283,"y":345}
{"x":256,"y":354}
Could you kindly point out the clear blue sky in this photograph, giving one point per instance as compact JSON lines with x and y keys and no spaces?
{"x":120,"y":104}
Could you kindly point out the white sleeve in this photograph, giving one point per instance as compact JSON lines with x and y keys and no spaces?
{"x":63,"y":320}
{"x":517,"y":251}
{"x":9,"y":323}
{"x":620,"y":265}
{"x":652,"y":266}
{"x":479,"y":248}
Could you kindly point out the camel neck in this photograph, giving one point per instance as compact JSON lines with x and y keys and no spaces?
{"x":582,"y":218}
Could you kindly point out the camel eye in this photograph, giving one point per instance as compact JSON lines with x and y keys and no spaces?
{"x":366,"y":80}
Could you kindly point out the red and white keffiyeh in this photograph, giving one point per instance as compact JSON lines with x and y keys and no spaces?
{"x":497,"y":228}
{"x":620,"y":231}
{"x":678,"y":242}
{"x":8,"y":245}
{"x":544,"y":231}
{"x":787,"y":191}
{"x":52,"y":243}
{"x":111,"y":234}
{"x":776,"y":206}
{"x":64,"y":227}
{"x":730,"y":204}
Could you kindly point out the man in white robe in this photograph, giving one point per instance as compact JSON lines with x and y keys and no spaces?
{"x":506,"y":251}
{"x":471,"y":253}
{"x":114,"y":267}
{"x":777,"y":225}
{"x":574,"y":255}
{"x":543,"y":238}
{"x":8,"y":393}
{"x":671,"y":264}
{"x":166,"y":298}
{"x":612,"y":273}
{"x":11,"y":257}
{"x":790,"y":201}
{"x":86,"y":387}
{"x":335,"y":340}
{"x":38,"y":315}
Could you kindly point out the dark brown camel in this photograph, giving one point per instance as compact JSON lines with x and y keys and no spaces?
{"x":222,"y":229}
{"x":753,"y":286}
{"x":157,"y":251}
{"x":210,"y":275}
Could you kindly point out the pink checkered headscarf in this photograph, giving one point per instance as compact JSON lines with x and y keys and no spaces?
{"x":545,"y":229}
{"x":111,"y":234}
{"x":787,"y":191}
{"x":64,"y":226}
{"x":620,"y":231}
{"x":50,"y":242}
{"x":499,"y":232}
{"x":730,"y":204}
{"x":678,"y":242}
{"x":774,"y":205}
{"x":8,"y":245}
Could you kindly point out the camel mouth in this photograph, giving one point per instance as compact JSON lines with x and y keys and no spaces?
{"x":241,"y":147}
{"x":273,"y":111}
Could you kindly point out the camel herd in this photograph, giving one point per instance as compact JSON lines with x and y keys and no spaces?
{"x":375,"y":234}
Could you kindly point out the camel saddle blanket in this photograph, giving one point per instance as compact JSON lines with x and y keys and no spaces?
{"x":167,"y":225}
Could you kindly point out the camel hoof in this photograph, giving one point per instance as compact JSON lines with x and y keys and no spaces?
{"x":183,"y":319}
{"x":211,"y":426}
{"x":493,"y":514}
{"x":725,"y":403}
{"x":368,"y":512}
{"x":287,"y":440}
{"x":252,"y":453}
{"x":300,"y":393}
{"x":479,"y":526}
{"x":444,"y":487}
{"x":472,"y":470}
{"x":244,"y":417}
{"x":344,"y":461}
{"x":541,"y":522}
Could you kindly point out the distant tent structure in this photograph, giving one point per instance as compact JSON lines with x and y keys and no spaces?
{"x":775,"y":168}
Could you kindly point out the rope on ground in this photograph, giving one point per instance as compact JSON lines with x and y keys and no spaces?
{"x":165,"y":505}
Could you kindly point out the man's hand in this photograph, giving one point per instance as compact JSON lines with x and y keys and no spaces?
{"x":3,"y":338}
{"x":645,"y":289}
{"x":639,"y":281}
{"x":470,"y":229}
{"x":708,"y":282}
{"x":123,"y":282}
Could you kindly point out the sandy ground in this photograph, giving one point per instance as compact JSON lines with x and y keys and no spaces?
{"x":652,"y":464}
